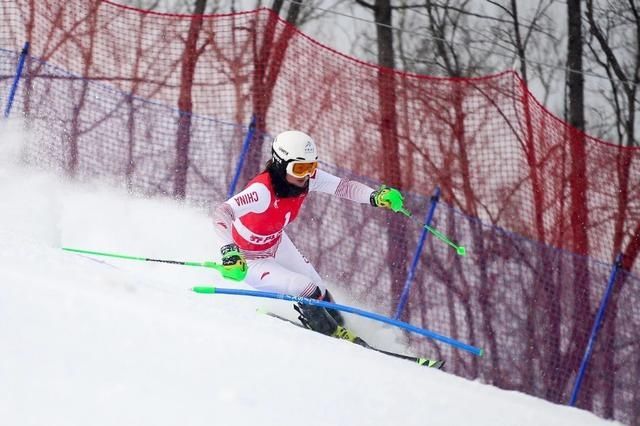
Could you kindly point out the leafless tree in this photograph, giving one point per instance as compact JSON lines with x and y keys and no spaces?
{"x":614,"y":45}
{"x":185,"y":107}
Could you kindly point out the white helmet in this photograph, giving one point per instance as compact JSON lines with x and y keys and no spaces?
{"x":295,"y":152}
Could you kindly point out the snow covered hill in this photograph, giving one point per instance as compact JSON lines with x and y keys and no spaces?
{"x":88,"y":341}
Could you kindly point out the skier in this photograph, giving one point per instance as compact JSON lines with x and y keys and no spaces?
{"x":251,"y":225}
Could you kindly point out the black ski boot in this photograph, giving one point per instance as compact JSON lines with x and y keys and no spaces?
{"x":318,"y":319}
{"x":327,"y":297}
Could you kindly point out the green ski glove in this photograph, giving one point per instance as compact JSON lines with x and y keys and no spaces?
{"x":234,"y":264}
{"x":388,"y":198}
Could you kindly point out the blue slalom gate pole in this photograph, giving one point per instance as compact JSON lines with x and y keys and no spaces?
{"x":430,"y":334}
{"x":16,"y":79}
{"x":243,"y":156}
{"x":416,"y":256}
{"x":594,"y":331}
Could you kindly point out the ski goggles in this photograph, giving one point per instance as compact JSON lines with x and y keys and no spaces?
{"x":301,"y":169}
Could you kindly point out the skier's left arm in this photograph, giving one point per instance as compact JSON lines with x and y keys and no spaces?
{"x":384,"y":196}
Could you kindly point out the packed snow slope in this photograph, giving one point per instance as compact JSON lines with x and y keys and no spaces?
{"x":100,"y":341}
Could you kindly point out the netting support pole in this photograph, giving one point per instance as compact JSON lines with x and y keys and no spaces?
{"x":243,"y":156}
{"x":416,"y":256}
{"x":594,"y":330}
{"x":16,"y":79}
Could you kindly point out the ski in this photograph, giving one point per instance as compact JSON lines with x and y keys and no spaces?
{"x":420,"y":361}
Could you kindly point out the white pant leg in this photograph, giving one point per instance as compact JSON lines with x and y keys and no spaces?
{"x":290,"y":257}
{"x":269,"y":275}
{"x":289,"y":272}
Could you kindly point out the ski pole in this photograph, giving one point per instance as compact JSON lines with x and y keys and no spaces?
{"x":439,"y":235}
{"x":459,"y":249}
{"x":212,"y":265}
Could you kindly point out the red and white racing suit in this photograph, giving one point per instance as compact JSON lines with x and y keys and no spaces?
{"x":255,"y":219}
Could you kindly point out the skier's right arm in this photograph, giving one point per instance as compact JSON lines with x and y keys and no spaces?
{"x":253,"y":199}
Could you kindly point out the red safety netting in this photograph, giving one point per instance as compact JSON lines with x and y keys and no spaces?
{"x":542,"y":208}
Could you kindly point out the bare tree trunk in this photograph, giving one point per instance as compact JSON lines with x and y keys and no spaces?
{"x":75,"y":131}
{"x":185,"y":105}
{"x":388,"y":125}
{"x":575,"y":79}
{"x":387,"y":94}
{"x":28,"y":82}
{"x":629,"y":79}
{"x":131,"y":111}
{"x":268,"y":58}
{"x":578,"y":180}
{"x":545,"y":291}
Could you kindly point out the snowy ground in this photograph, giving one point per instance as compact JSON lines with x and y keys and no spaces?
{"x":113,"y":342}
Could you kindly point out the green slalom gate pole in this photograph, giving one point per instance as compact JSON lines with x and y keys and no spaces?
{"x":212,"y":265}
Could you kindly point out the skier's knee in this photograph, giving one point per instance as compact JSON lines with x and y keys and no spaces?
{"x":316,"y":294}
